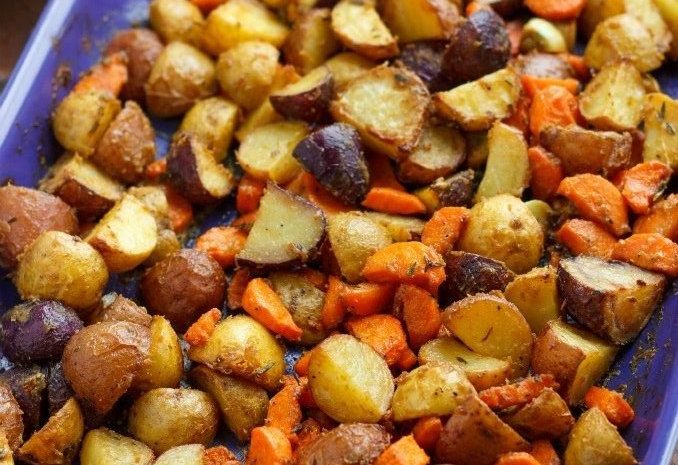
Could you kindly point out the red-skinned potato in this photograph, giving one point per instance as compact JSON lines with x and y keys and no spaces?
{"x":545,"y":65}
{"x":349,"y":444}
{"x":307,"y":99}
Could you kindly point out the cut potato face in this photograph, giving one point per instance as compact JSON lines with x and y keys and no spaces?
{"x":388,"y":108}
{"x":164,"y":366}
{"x":547,"y":416}
{"x":401,"y":228}
{"x":176,"y":20}
{"x":441,"y":150}
{"x":536,"y":296}
{"x":660,"y":119}
{"x":304,"y":302}
{"x":416,"y":20}
{"x":213,"y":122}
{"x":311,"y":40}
{"x":350,"y":382}
{"x":358,"y":26}
{"x":190,"y":454}
{"x":468,"y":274}
{"x":101,"y":446}
{"x":346,"y":66}
{"x":307,"y":99}
{"x":596,"y":441}
{"x":670,"y":16}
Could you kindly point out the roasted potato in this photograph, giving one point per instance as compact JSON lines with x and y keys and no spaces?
{"x":28,"y":385}
{"x":349,"y":444}
{"x":387,"y":106}
{"x":670,"y":16}
{"x":183,"y":286}
{"x":477,"y":104}
{"x":542,"y":36}
{"x":242,"y":403}
{"x":401,"y":228}
{"x":58,"y":390}
{"x":542,"y":212}
{"x":62,"y":267}
{"x":481,"y":370}
{"x":190,"y":454}
{"x":345,"y":390}
{"x":576,"y":358}
{"x":82,"y":185}
{"x":614,"y":300}
{"x":57,"y":442}
{"x":358,"y":26}
{"x":544,"y":65}
{"x":177,"y":20}
{"x":474,"y":435}
{"x":441,"y":150}
{"x":660,"y":121}
{"x":299,"y":228}
{"x":164,"y":366}
{"x":311,"y":41}
{"x":180,"y":76}
{"x":164,"y":418}
{"x":547,"y":416}
{"x":502,"y":228}
{"x":167,"y":244}
{"x":81,"y":119}
{"x":11,"y":422}
{"x":24,"y":214}
{"x":115,"y":307}
{"x":307,"y":99}
{"x":100,"y":361}
{"x":154,"y":198}
{"x":304,"y":302}
{"x":468,"y":274}
{"x":102,"y":447}
{"x":346,"y":66}
{"x":457,"y":190}
{"x":425,"y":60}
{"x":243,"y":347}
{"x":416,"y":20}
{"x":212,"y":121}
{"x":536,"y":296}
{"x":596,"y":441}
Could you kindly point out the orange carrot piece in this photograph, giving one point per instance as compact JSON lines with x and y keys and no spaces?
{"x":236,"y":288}
{"x":110,"y":74}
{"x":306,"y":396}
{"x":426,"y":432}
{"x":366,"y":298}
{"x":662,"y":219}
{"x":262,"y":303}
{"x":269,"y":446}
{"x":472,"y":7}
{"x":547,"y":172}
{"x":384,"y":333}
{"x":514,"y":29}
{"x":556,"y":10}
{"x":156,"y":169}
{"x":207,"y":5}
{"x":200,"y":331}
{"x":222,"y":243}
{"x":641,"y":183}
{"x":333,"y":311}
{"x":419,"y":311}
{"x":405,"y":451}
{"x":520,"y":118}
{"x":308,"y":187}
{"x":533,"y":84}
{"x":180,"y":210}
{"x":516,"y":458}
{"x":584,"y":237}
{"x":520,"y":393}
{"x":444,"y":228}
{"x":578,"y":65}
{"x":301,"y":367}
{"x":219,"y":455}
{"x":245,"y":221}
{"x":597,"y":199}
{"x":651,"y":251}
{"x":544,"y":452}
{"x":387,"y":200}
{"x":250,"y":191}
{"x":317,"y":278}
{"x":552,"y":105}
{"x":407,"y":263}
{"x":381,"y":172}
{"x":612,"y":404}
{"x":284,"y":411}
{"x":407,"y":360}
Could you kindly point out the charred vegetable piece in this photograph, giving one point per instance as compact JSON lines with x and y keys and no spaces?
{"x":28,"y":386}
{"x":307,"y":99}
{"x":468,"y":274}
{"x":425,"y":60}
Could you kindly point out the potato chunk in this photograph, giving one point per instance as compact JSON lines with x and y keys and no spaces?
{"x":660,"y":118}
{"x":614,"y":300}
{"x":350,"y":382}
{"x":468,"y":274}
{"x":348,"y":444}
{"x":415,"y":20}
{"x":547,"y":416}
{"x":358,"y":26}
{"x":176,"y":20}
{"x":536,"y":296}
{"x":164,"y":366}
{"x":213,"y":122}
{"x":441,"y":150}
{"x":101,"y":446}
{"x":304,"y":302}
{"x":596,"y":441}
{"x":311,"y":41}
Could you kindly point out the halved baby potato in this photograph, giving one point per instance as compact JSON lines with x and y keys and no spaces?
{"x":417,"y":20}
{"x":311,"y":40}
{"x":441,"y":150}
{"x":164,"y":366}
{"x":213,"y":122}
{"x":547,"y":416}
{"x":304,"y":302}
{"x":102,"y":446}
{"x":536,"y":296}
{"x":596,"y":441}
{"x":307,"y":99}
{"x":358,"y":26}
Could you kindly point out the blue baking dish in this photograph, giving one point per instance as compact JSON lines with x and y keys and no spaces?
{"x":68,"y":39}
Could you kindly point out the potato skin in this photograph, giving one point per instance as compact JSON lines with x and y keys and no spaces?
{"x":28,"y":388}
{"x":24,"y":214}
{"x":164,"y":418}
{"x":425,"y":60}
{"x":142,"y":47}
{"x":348,"y":444}
{"x":58,"y":390}
{"x":547,"y":416}
{"x":544,"y":65}
{"x":11,"y":422}
{"x":177,"y":20}
{"x":116,"y":307}
{"x":468,"y":274}
{"x":183,"y":286}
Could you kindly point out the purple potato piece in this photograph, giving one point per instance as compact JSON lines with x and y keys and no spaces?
{"x":425,"y":59}
{"x":457,"y":190}
{"x":307,"y":99}
{"x":544,"y":65}
{"x":468,"y":274}
{"x":334,"y":155}
{"x":58,"y":389}
{"x":29,"y":386}
{"x":478,"y":47}
{"x":35,"y":331}
{"x":503,"y":8}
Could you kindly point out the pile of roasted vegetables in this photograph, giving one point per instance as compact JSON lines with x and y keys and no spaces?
{"x":457,"y":218}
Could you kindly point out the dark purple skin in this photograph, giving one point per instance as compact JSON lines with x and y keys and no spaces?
{"x":35,"y":331}
{"x":58,"y":390}
{"x":29,"y":387}
{"x":182,"y":168}
{"x":504,"y":8}
{"x":335,"y":156}
{"x":311,"y":106}
{"x":455,"y":191}
{"x":425,"y":60}
{"x":468,"y":274}
{"x":478,"y":47}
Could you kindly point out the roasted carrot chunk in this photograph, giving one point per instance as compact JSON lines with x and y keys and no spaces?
{"x":420,"y":312}
{"x":219,"y":455}
{"x":556,"y":10}
{"x":245,"y":221}
{"x":333,"y":308}
{"x":516,"y":458}
{"x":381,"y":172}
{"x":388,"y":200}
{"x":222,"y":243}
{"x":405,"y":451}
{"x":384,"y":333}
{"x":584,"y":237}
{"x":109,"y":75}
{"x":533,"y":84}
{"x":407,"y":360}
{"x":544,"y":452}
{"x":200,"y":331}
{"x":262,"y":303}
{"x":367,"y":298}
{"x":284,"y":411}
{"x":577,"y":63}
{"x":552,"y":105}
{"x":236,"y":288}
{"x":426,"y":432}
{"x":520,"y":118}
{"x":640,"y":184}
{"x":547,"y":172}
{"x":612,"y":404}
{"x":520,"y":393}
{"x":651,"y":251}
{"x":662,"y":219}
{"x":301,"y":367}
{"x":269,"y":446}
{"x":444,"y":228}
{"x":180,"y":210}
{"x":250,"y":191}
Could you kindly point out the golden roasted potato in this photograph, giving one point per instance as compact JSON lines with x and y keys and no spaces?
{"x":669,"y":13}
{"x":547,"y":416}
{"x":102,"y":446}
{"x":81,"y":119}
{"x":177,"y":20}
{"x":213,"y":122}
{"x":346,"y":66}
{"x":416,"y":20}
{"x":478,"y":149}
{"x":6,"y":455}
{"x":307,"y":99}
{"x":190,"y":454}
{"x":242,"y":403}
{"x":543,"y":213}
{"x":154,"y":198}
{"x":401,"y":228}
{"x":430,"y":390}
{"x":11,"y":418}
{"x":492,"y":326}
{"x":660,"y":120}
{"x":168,"y":243}
{"x":441,"y":150}
{"x":164,"y":366}
{"x":596,"y":441}
{"x":350,"y":382}
{"x":358,"y":26}
{"x":311,"y":41}
{"x":241,"y":346}
{"x":304,"y":302}
{"x":115,"y":307}
{"x":348,"y":444}
{"x":502,"y":228}
{"x":536,"y":296}
{"x":576,"y":358}
{"x":62,"y":267}
{"x":542,"y":36}
{"x":164,"y":418}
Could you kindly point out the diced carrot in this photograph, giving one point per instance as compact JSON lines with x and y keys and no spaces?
{"x":405,"y":451}
{"x":662,"y":219}
{"x":207,"y":5}
{"x":366,"y":298}
{"x":520,"y":393}
{"x":612,"y":404}
{"x":426,"y":432}
{"x":556,"y":10}
{"x":544,"y":452}
{"x":641,"y":183}
{"x":236,"y":288}
{"x":308,"y":187}
{"x":262,"y":303}
{"x":110,"y":75}
{"x":245,"y":221}
{"x":552,"y":105}
{"x":584,"y":237}
{"x":520,"y":118}
{"x":384,"y":333}
{"x":597,"y":199}
{"x":306,"y":396}
{"x":472,"y":7}
{"x":406,"y":263}
{"x":269,"y":446}
{"x":419,"y":311}
{"x":219,"y":455}
{"x":180,"y":210}
{"x":381,"y":172}
{"x":407,"y":360}
{"x":533,"y":84}
{"x":284,"y":411}
{"x":516,"y":458}
{"x":578,"y":65}
{"x":301,"y":367}
{"x":651,"y":251}
{"x":547,"y":172}
{"x":333,"y":311}
{"x":250,"y":191}
{"x":514,"y":29}
{"x":317,"y":278}
{"x":387,"y":200}
{"x":200,"y":331}
{"x":156,"y":169}
{"x":444,"y":228}
{"x":222,"y":243}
